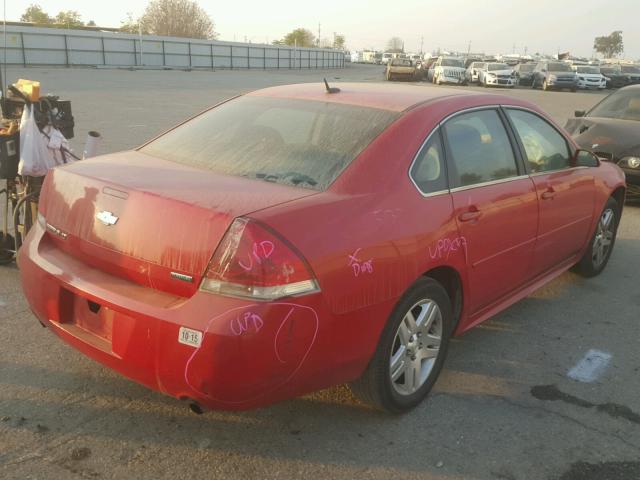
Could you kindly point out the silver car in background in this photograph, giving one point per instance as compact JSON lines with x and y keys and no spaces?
{"x":449,"y":70}
{"x":497,"y":75}
{"x":473,"y":72}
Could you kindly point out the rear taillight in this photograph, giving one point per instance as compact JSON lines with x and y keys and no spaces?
{"x":255,"y":263}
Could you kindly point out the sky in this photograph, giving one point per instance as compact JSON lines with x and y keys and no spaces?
{"x":491,"y":26}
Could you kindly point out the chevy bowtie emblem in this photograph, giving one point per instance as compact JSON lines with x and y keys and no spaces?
{"x":107,"y":218}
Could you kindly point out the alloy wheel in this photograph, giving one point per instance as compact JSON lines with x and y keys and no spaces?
{"x":415,"y":347}
{"x":603,"y":238}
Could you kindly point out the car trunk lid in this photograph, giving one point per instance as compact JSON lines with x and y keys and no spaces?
{"x":152,"y":221}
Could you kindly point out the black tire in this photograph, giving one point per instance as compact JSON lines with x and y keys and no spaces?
{"x":590,"y":265}
{"x":574,"y":90}
{"x":375,"y":386}
{"x":533,"y":84}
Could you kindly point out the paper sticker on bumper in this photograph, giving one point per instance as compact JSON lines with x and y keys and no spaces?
{"x":193,"y":338}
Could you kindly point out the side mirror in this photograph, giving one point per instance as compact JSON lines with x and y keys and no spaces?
{"x":585,"y":158}
{"x":579,"y":113}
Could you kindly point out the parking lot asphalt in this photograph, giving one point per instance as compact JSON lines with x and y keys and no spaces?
{"x":505,"y":406}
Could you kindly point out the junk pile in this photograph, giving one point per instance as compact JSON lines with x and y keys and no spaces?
{"x":34,"y":133}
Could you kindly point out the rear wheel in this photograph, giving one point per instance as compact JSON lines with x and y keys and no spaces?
{"x":411,"y":350}
{"x":597,"y":255}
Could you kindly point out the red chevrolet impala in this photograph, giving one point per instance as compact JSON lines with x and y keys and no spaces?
{"x":295,"y":238}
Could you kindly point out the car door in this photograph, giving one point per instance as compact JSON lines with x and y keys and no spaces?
{"x":494,"y":202}
{"x":566,"y":194}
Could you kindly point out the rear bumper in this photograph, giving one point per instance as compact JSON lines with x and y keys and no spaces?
{"x":251,"y":354}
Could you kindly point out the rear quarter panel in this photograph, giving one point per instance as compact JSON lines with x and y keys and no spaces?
{"x":369,"y":237}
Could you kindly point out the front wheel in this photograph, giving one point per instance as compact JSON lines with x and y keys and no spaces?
{"x":411,"y":350}
{"x":597,"y":255}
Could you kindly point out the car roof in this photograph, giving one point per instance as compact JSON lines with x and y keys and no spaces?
{"x":374,"y":95}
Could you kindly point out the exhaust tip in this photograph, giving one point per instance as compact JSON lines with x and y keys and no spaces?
{"x":196,"y":408}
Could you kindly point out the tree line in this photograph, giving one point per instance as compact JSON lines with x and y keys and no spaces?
{"x":173,"y":18}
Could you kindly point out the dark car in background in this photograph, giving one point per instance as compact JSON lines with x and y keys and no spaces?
{"x":631,"y":71}
{"x":554,"y":76}
{"x":524,"y":73}
{"x":611,"y":129}
{"x":615,"y":77}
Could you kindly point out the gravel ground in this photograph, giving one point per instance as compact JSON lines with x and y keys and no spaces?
{"x":504,"y":407}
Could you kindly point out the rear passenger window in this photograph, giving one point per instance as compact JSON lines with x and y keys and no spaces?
{"x":545,"y":149}
{"x":480,"y":149}
{"x":428,"y":170}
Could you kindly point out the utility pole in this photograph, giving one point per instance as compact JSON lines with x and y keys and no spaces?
{"x":318,"y":40}
{"x":469,"y":48}
{"x":421,"y":44}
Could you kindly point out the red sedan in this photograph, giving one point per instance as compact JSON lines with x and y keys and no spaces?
{"x":295,"y":238}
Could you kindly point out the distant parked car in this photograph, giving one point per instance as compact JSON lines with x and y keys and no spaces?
{"x":469,"y":60}
{"x":430,"y":68}
{"x":399,"y":68}
{"x":524,"y":73}
{"x":631,"y":71}
{"x":611,"y":129}
{"x":386,"y":58}
{"x":554,"y":75}
{"x":589,"y":77}
{"x":473,"y":71}
{"x":497,"y":75}
{"x":449,"y":70}
{"x":615,"y":77}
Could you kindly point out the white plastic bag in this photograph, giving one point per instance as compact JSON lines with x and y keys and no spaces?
{"x":39,"y":151}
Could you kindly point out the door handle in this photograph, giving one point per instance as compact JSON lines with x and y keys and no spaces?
{"x":469,"y":216}
{"x":549,"y":194}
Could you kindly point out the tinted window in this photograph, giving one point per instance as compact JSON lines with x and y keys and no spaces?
{"x":480,"y":148}
{"x":545,"y":148}
{"x":527,"y":68}
{"x":428,"y":170}
{"x":630,"y":69}
{"x":595,"y":70}
{"x":497,"y":66}
{"x":559,"y":67}
{"x":451,"y":62}
{"x":294,"y":142}
{"x":400,"y":62}
{"x":624,"y":104}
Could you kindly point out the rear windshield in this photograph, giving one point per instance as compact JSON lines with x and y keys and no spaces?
{"x":559,"y":67}
{"x":630,"y":69}
{"x":401,"y":62}
{"x":451,"y":62}
{"x":527,"y":67}
{"x":587,"y":69}
{"x":293,"y":142}
{"x":624,"y":104}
